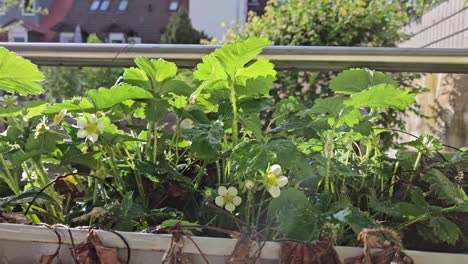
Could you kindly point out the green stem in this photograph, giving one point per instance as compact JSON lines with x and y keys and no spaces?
{"x":138,"y":177}
{"x":199,"y":176}
{"x":9,"y":178}
{"x":235,"y":128}
{"x":148,"y":140}
{"x":155,"y":144}
{"x":260,"y":208}
{"x":415,"y":166}
{"x":43,"y":180}
{"x":424,"y":217}
{"x":118,"y":179}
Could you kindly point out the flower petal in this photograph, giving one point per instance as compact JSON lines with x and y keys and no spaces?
{"x":93,"y":118}
{"x":276,"y":169}
{"x":81,"y":122}
{"x":81,"y":133}
{"x":274,"y":191}
{"x":93,"y":137}
{"x":100,"y":125}
{"x":222,"y":190}
{"x":232,"y":190}
{"x":230,"y":207}
{"x":236,"y":200}
{"x":282,"y":181}
{"x":219,"y":201}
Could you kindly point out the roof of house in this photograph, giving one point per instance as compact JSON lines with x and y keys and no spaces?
{"x":58,"y":9}
{"x":144,"y":18}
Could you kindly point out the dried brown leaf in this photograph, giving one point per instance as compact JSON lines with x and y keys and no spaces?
{"x":318,"y":252}
{"x":14,"y":218}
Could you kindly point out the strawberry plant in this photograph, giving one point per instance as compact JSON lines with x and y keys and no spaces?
{"x":164,"y":144}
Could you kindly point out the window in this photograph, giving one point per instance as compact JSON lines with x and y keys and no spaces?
{"x":123,"y":5}
{"x":116,"y":38}
{"x":18,"y":34}
{"x":105,"y":5}
{"x":67,"y":37}
{"x":173,"y":5}
{"x":253,"y":2}
{"x":2,"y":7}
{"x":94,"y":5}
{"x":28,"y":7}
{"x":134,"y":40}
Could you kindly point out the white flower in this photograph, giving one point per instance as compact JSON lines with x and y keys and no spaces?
{"x":249,"y":184}
{"x":274,"y":180}
{"x":59,"y":117}
{"x":186,"y":124}
{"x":89,"y":127}
{"x":228,"y":198}
{"x":40,"y":128}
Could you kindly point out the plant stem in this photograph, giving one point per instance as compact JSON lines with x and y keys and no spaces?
{"x":260,"y":208}
{"x":415,"y":166}
{"x":235,"y":128}
{"x":424,"y":217}
{"x":8,"y":178}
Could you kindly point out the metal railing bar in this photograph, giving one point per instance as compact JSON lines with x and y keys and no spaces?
{"x":284,"y":57}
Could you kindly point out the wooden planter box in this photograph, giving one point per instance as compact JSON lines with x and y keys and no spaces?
{"x":26,"y":244}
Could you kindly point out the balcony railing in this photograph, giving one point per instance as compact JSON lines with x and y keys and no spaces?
{"x":284,"y":57}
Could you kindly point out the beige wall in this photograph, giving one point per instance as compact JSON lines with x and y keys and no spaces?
{"x":210,"y":15}
{"x":444,"y":26}
{"x":446,"y":101}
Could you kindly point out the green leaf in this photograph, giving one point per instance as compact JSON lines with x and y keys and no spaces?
{"x":178,"y":87}
{"x":26,"y":197}
{"x":382,"y":96}
{"x":446,"y":190}
{"x":206,"y":140}
{"x":411,"y":211}
{"x":44,"y":143}
{"x":74,"y":105}
{"x":104,"y":98}
{"x":355,"y":218}
{"x":444,"y":229}
{"x":137,"y":77}
{"x":289,"y":199}
{"x":18,"y":75}
{"x":417,"y":197}
{"x":153,"y":110}
{"x":254,"y":124}
{"x":357,"y":80}
{"x":260,"y":68}
{"x":330,"y":106}
{"x":248,"y":157}
{"x":157,"y":70}
{"x":255,"y":87}
{"x":209,"y":69}
{"x":31,"y":109}
{"x":233,"y":56}
{"x":186,"y":225}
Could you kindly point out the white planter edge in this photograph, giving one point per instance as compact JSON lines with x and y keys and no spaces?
{"x":209,"y":245}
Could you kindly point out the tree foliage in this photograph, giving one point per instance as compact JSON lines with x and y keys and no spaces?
{"x":179,"y":30}
{"x":361,"y":23}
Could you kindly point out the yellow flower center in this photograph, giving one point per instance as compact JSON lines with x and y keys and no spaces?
{"x":228,"y":198}
{"x":91,"y":128}
{"x":271,"y":180}
{"x":58,"y":118}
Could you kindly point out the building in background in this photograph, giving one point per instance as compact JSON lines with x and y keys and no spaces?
{"x":444,"y":26}
{"x":445,"y":102}
{"x":24,"y":24}
{"x":214,"y":16}
{"x":118,"y":21}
